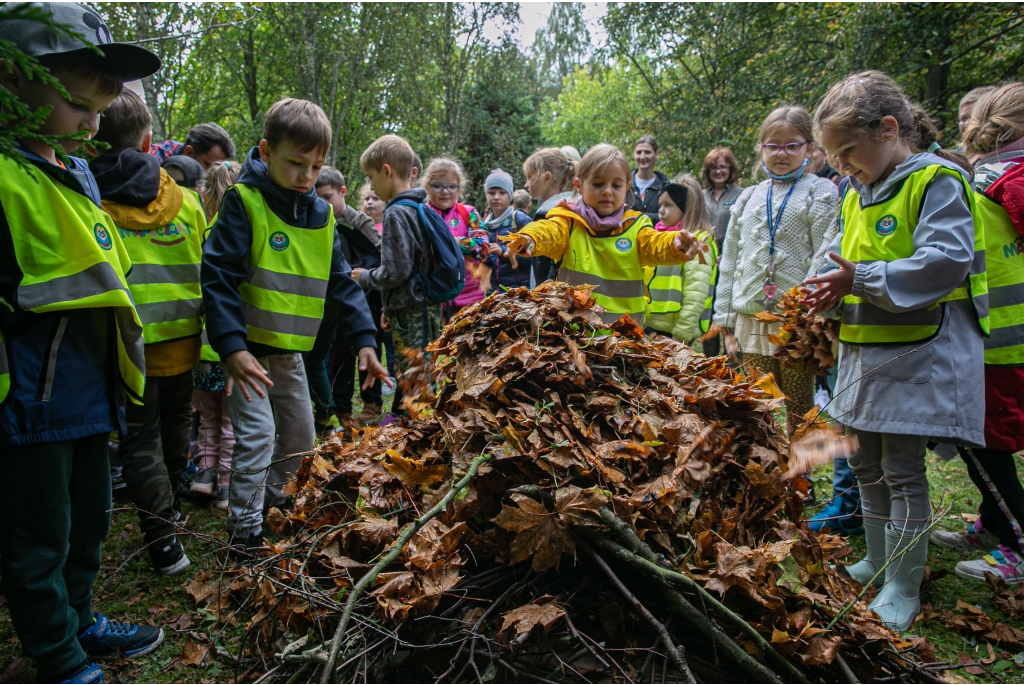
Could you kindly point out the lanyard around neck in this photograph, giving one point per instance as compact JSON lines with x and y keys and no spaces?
{"x":773,"y":226}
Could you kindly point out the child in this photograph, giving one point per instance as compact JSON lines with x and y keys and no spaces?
{"x":522,"y":201}
{"x":270,"y":262}
{"x":996,"y":135}
{"x":360,"y":246}
{"x":775,"y":240}
{"x":215,"y":440}
{"x":905,"y":266}
{"x":162,"y":228}
{"x":371,"y":205}
{"x":549,"y":174}
{"x":602,"y":242}
{"x":406,"y":253}
{"x":185,"y":171}
{"x":70,"y":344}
{"x":503,"y":219}
{"x":443,"y":179}
{"x":680,"y":297}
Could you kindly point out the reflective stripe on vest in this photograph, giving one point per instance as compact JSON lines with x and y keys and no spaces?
{"x":71,"y":257}
{"x":709,"y":301}
{"x":165,"y":273}
{"x":885,"y":232}
{"x":283,"y":296}
{"x":206,"y":353}
{"x":1005,"y":262}
{"x":612,"y":264}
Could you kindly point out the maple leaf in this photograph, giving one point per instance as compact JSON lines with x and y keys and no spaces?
{"x":412,"y":471}
{"x":539,"y":533}
{"x":374,"y":530}
{"x":578,"y":507}
{"x":541,"y":612}
{"x":195,"y":654}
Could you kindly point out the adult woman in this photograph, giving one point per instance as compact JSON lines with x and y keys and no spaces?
{"x":720,"y":190}
{"x":646,"y":182}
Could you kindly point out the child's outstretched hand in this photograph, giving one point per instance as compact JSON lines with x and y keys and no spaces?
{"x":830,"y":288}
{"x":516,"y":244}
{"x":690,"y":246}
{"x":368,"y":362}
{"x":355,"y":274}
{"x":244,"y":370}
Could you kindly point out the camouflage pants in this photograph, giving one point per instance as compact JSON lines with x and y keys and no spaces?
{"x":154,"y":452}
{"x":413,"y":329}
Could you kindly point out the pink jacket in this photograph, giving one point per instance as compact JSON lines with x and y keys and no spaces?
{"x":460,"y":223}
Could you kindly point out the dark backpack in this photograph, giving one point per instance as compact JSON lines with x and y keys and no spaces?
{"x":449,"y":275}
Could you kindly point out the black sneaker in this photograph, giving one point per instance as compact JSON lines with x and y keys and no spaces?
{"x":106,"y":638}
{"x":168,"y":556}
{"x":245,"y":549}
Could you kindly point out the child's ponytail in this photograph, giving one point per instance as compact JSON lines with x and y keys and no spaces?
{"x":220,"y":177}
{"x":555,"y":161}
{"x":997,"y":120}
{"x":927,"y":140}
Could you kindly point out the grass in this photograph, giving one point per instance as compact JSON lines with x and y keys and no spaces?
{"x":128,"y":588}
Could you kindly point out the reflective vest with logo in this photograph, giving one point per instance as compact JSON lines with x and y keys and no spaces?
{"x":283,"y":295}
{"x":611,"y":263}
{"x":207,"y":354}
{"x":70,"y":257}
{"x":165,"y":273}
{"x":1005,"y":261}
{"x":666,"y":287}
{"x":885,"y":232}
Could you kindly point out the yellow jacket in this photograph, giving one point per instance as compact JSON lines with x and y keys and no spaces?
{"x":551,"y":237}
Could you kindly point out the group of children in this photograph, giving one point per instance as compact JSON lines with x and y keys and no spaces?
{"x":142,"y":300}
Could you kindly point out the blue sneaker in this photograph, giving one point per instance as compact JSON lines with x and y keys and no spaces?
{"x":832,"y":519}
{"x":90,"y":673}
{"x":106,"y":638}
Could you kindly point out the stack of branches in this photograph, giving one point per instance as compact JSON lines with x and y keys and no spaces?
{"x":806,"y":343}
{"x":576,"y":503}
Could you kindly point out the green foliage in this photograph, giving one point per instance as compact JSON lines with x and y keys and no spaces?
{"x":17,"y":121}
{"x":706,"y":74}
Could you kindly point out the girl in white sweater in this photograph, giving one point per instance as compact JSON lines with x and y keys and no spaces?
{"x":777,"y":238}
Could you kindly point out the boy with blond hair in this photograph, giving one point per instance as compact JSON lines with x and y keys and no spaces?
{"x":270,"y":262}
{"x":161,"y":227}
{"x":405,"y":250}
{"x":71,"y":347}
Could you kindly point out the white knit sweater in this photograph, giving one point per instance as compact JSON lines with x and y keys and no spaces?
{"x":806,"y":230}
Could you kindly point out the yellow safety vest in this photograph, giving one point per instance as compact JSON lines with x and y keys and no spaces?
{"x":283,"y":295}
{"x":709,"y":301}
{"x":665,"y":287}
{"x":611,"y":263}
{"x":1004,"y":256}
{"x":165,"y":273}
{"x":70,"y":257}
{"x":885,"y":232}
{"x":206,"y":352}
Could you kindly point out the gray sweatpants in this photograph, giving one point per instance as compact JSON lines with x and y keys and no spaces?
{"x":890,"y":469}
{"x":267,"y":430}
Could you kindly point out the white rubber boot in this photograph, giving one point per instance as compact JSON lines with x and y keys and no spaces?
{"x":874,"y":537}
{"x":899,"y":600}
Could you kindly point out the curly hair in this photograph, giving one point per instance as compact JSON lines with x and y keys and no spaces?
{"x":709,"y":161}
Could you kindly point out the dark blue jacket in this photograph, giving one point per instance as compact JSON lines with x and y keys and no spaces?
{"x":63,"y":378}
{"x":224,"y":269}
{"x":505,"y":275}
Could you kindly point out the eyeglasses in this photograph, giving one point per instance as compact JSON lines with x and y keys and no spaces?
{"x":720,"y":168}
{"x":790,"y":148}
{"x":441,"y":187}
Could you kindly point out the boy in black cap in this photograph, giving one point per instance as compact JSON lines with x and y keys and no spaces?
{"x":71,"y":347}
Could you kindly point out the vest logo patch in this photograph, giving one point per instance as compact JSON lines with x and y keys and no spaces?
{"x":278,"y":241}
{"x":102,"y":236}
{"x":454,"y":223}
{"x":886,"y":225}
{"x":623,"y":244}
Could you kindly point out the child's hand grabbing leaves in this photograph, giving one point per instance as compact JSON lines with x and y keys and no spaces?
{"x":516,"y":244}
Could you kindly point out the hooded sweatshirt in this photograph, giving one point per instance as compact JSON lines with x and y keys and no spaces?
{"x":224,"y":267}
{"x":79,"y":358}
{"x":139,"y":195}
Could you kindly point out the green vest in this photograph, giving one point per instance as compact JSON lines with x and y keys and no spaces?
{"x":165,"y":273}
{"x":709,"y":301}
{"x":612,"y":263}
{"x":206,"y":353}
{"x":1005,"y":261}
{"x":885,"y":232}
{"x":283,"y":295}
{"x":70,"y":258}
{"x":666,"y":287}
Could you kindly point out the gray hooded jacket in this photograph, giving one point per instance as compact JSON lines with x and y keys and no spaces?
{"x":934,"y":388}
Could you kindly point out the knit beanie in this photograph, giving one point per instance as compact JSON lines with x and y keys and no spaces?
{"x":679,"y":194}
{"x":500,"y":179}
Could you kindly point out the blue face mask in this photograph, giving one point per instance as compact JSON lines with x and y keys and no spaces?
{"x":796,"y":173}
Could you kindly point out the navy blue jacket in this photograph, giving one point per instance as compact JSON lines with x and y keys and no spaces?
{"x":224,"y":270}
{"x":63,"y":378}
{"x":505,"y":275}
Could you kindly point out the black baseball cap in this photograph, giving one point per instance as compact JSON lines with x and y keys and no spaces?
{"x":36,"y":39}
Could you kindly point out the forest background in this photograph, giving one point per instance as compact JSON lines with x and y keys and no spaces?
{"x":695,"y":75}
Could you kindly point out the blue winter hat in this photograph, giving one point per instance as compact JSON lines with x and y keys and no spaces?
{"x":500,"y":179}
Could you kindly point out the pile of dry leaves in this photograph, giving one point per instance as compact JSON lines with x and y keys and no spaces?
{"x":575,"y":503}
{"x":806,"y":343}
